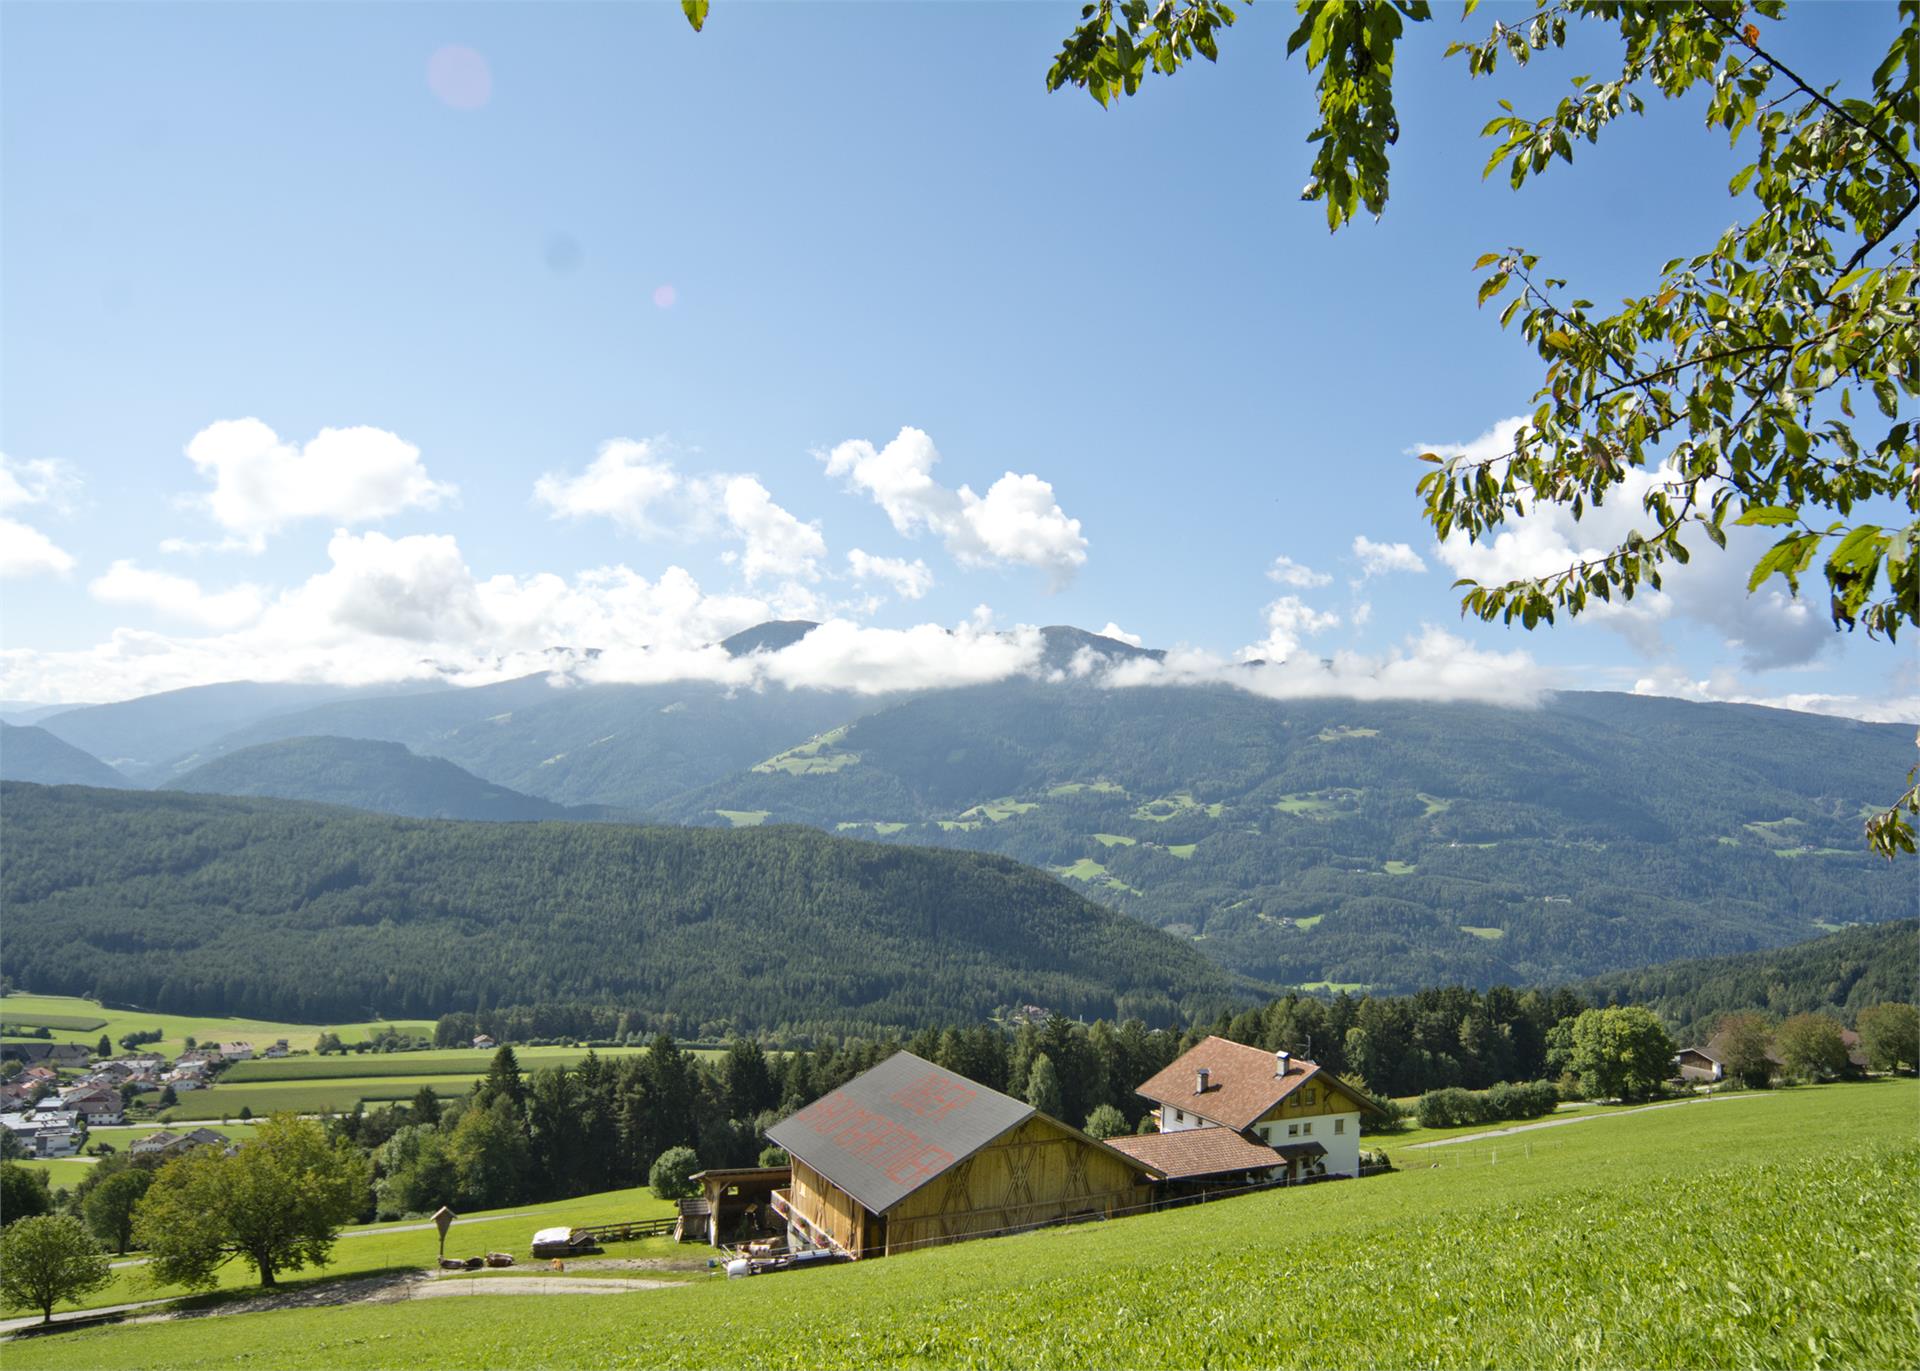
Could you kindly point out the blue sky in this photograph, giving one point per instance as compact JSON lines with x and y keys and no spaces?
{"x":490,"y":241}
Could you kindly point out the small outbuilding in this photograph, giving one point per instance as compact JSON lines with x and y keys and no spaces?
{"x":910,"y":1155}
{"x":735,"y":1205}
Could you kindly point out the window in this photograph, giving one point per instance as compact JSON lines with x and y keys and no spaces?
{"x":1307,"y":1097}
{"x":1293,"y":1130}
{"x":1179,"y":1117}
{"x":1307,"y":1128}
{"x":1339,"y":1125}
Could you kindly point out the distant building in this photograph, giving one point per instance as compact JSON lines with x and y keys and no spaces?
{"x":167,"y":1143}
{"x":38,"y":1052}
{"x":484,"y":1043}
{"x":279,"y":1049}
{"x":236,"y":1052}
{"x":909,"y":1154}
{"x":1306,"y":1115}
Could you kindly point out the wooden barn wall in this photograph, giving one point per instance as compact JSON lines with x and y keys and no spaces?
{"x":826,"y":1206}
{"x":1035,"y":1173}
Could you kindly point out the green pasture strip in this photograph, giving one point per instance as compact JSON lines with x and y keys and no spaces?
{"x":71,"y":1023}
{"x":1776,"y":1235}
{"x":62,"y":1173}
{"x":176,"y":1028}
{"x":362,"y":1065}
{"x":1482,"y":931}
{"x":307,"y":1097}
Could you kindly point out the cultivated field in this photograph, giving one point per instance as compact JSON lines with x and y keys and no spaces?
{"x":1775,"y":1230}
{"x":60,"y":1013}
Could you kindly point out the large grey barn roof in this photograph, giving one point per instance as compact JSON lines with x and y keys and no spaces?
{"x":889,"y":1131}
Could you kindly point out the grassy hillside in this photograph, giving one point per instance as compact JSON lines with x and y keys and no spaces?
{"x":364,"y":774}
{"x":1388,"y":845}
{"x":207,"y":904}
{"x":1773,"y":1230}
{"x":33,"y":754}
{"x":1843,"y":972}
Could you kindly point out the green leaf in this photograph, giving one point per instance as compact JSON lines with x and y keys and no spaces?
{"x":1767,"y":515}
{"x":696,"y":12}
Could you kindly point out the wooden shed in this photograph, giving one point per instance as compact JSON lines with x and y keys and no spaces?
{"x":910,"y":1155}
{"x":734,"y":1204}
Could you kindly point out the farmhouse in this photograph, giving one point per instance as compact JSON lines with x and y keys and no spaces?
{"x":1307,"y":1116}
{"x":483,"y":1042}
{"x":167,"y":1143}
{"x":236,"y":1052}
{"x":909,"y":1154}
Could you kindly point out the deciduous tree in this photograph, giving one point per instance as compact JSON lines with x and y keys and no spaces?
{"x":1811,"y":1047}
{"x":1746,"y":1048}
{"x":1890,"y":1036}
{"x":47,"y":1259}
{"x":1621,"y":1052}
{"x":277,"y":1203}
{"x":109,"y":1206}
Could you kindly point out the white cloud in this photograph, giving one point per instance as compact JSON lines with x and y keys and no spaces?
{"x":1726,"y":688}
{"x":1120,"y":635}
{"x":346,"y":475}
{"x":1380,"y":559}
{"x":1291,"y":573}
{"x":1363,"y":614}
{"x":1769,"y":628}
{"x":1430,"y":665}
{"x":1017,"y":521}
{"x":777,"y":544}
{"x":624,"y":482}
{"x":909,"y":580}
{"x":177,"y":596}
{"x":25,"y":550}
{"x":1290,"y":622}
{"x":41,"y":481}
{"x":839,"y":655}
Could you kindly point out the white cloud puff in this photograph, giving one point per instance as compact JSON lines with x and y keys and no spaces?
{"x":1018,"y":521}
{"x":177,"y":597}
{"x":839,"y":655}
{"x":625,"y":482}
{"x":1290,"y":621}
{"x":1120,"y":635}
{"x":1726,"y":688}
{"x":1430,"y":665}
{"x":1769,"y":628}
{"x":777,"y":543}
{"x":25,"y":550}
{"x":909,"y":580}
{"x":346,"y":475}
{"x":1291,"y":573}
{"x":1381,"y":559}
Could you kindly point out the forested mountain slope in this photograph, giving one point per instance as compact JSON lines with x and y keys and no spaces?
{"x":33,"y":754}
{"x":1842,"y":972}
{"x":211,"y":904}
{"x":364,"y":774}
{"x":1386,"y":844}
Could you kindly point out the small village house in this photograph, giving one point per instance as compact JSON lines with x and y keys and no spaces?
{"x":484,"y":1043}
{"x":167,"y":1143}
{"x":909,"y":1154}
{"x":1308,"y":1117}
{"x":236,"y":1052}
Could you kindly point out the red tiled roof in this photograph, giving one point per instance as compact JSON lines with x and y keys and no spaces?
{"x":1187,"y":1153}
{"x":1242,"y":1086}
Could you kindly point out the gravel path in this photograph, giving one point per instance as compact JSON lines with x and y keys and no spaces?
{"x":1583,"y":1118}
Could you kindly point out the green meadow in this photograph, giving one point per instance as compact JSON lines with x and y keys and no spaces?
{"x":1773,"y":1231}
{"x":59,"y":1012}
{"x":414,"y":1244}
